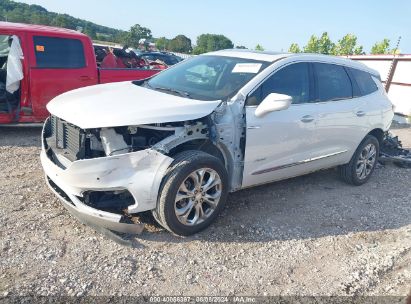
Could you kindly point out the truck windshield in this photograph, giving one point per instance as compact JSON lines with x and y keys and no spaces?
{"x":207,"y":77}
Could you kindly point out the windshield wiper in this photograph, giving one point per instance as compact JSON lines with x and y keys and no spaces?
{"x":181,"y":93}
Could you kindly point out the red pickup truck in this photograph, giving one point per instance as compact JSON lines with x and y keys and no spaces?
{"x":38,"y":63}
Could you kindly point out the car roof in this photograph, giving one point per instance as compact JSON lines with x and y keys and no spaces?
{"x":249,"y":54}
{"x":275,"y":56}
{"x":21,"y":27}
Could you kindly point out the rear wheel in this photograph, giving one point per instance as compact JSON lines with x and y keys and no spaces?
{"x":193,"y":193}
{"x":359,"y":170}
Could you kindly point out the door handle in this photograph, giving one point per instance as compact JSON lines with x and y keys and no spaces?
{"x":307,"y":118}
{"x":360,"y":113}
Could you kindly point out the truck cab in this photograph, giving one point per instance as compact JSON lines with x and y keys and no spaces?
{"x":38,"y":63}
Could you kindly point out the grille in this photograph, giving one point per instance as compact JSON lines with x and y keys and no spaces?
{"x":67,"y":139}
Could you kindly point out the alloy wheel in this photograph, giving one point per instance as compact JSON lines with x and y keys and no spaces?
{"x":198,"y":196}
{"x":366,"y":161}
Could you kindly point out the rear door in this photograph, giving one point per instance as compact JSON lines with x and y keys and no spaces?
{"x":59,"y":64}
{"x":342,"y":114}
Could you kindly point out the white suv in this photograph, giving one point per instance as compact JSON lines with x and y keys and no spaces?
{"x":178,"y":143}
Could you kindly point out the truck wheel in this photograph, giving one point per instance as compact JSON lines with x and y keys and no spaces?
{"x":193,"y":192}
{"x":359,"y":170}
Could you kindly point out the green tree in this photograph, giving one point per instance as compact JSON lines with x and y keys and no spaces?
{"x":162,"y":43}
{"x":65,"y":21}
{"x":119,"y":37}
{"x":312,"y":45}
{"x":322,"y":45}
{"x":133,"y":36}
{"x":294,"y":48}
{"x":347,"y":46}
{"x":90,"y":31}
{"x":212,"y":42}
{"x":259,"y":47}
{"x":40,"y":18}
{"x":17,"y":15}
{"x":382,"y":47}
{"x":181,"y":44}
{"x":22,"y":12}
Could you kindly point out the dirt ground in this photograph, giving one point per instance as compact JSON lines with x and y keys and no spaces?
{"x":312,"y":235}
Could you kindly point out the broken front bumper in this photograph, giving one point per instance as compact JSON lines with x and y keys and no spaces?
{"x":140,"y":173}
{"x":94,"y":217}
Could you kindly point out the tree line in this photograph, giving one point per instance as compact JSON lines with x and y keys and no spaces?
{"x":36,"y":14}
{"x":347,"y":45}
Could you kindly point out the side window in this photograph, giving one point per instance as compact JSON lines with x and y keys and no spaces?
{"x":149,"y":57}
{"x":292,"y":80}
{"x":53,"y":52}
{"x":364,"y":81}
{"x":333,"y":82}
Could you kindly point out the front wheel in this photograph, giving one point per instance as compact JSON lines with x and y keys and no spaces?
{"x":193,"y":192}
{"x":358,"y":171}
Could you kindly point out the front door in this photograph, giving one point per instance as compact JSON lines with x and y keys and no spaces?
{"x":281,"y":144}
{"x":60,"y":65}
{"x":10,"y":103}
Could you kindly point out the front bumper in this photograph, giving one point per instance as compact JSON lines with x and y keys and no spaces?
{"x":140,"y":173}
{"x":94,"y":217}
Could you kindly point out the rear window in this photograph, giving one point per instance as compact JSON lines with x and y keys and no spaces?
{"x":333,"y":82}
{"x":169,"y":60}
{"x":53,"y":52}
{"x":364,"y":81}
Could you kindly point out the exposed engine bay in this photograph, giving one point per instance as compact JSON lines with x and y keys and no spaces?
{"x":121,"y":140}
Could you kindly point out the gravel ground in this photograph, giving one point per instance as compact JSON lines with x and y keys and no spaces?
{"x":312,"y":235}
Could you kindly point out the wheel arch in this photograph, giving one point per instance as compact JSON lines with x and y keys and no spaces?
{"x":204,"y":145}
{"x":377,"y":133}
{"x":218,"y":150}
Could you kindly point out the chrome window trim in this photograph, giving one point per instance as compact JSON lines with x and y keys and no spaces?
{"x":302,"y":61}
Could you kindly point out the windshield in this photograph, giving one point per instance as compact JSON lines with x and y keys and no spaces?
{"x":207,"y":77}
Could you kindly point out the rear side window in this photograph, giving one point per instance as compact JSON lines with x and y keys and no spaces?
{"x":292,"y":80}
{"x":169,"y":60}
{"x":333,"y":82}
{"x":364,"y":81}
{"x":53,"y":52}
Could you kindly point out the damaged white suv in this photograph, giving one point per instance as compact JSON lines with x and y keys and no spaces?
{"x":178,"y":143}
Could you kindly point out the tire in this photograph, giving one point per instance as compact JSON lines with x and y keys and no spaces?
{"x":196,"y":207}
{"x":360,"y":168}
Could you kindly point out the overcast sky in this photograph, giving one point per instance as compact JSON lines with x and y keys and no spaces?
{"x":273,"y":24}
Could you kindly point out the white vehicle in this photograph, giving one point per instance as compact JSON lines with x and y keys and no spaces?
{"x":178,"y":143}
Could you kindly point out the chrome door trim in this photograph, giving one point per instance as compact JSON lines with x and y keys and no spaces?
{"x":297,"y":163}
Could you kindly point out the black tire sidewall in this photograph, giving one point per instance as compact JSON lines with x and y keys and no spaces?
{"x":172,"y":183}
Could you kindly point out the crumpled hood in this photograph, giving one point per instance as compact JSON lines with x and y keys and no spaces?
{"x":125,"y":104}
